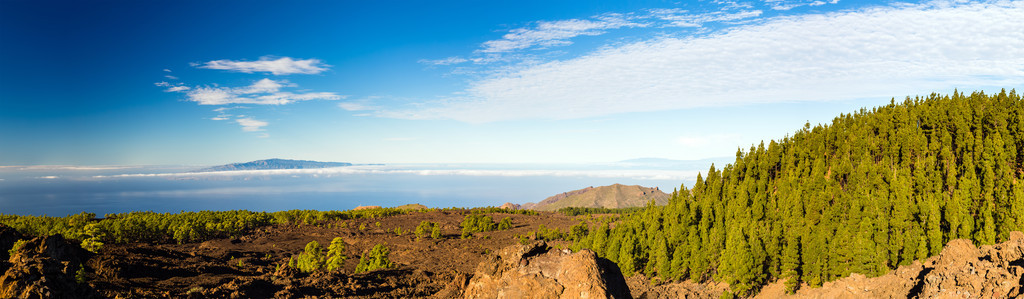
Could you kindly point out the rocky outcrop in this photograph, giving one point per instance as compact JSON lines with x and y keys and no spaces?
{"x":510,"y":206}
{"x":8,"y":236}
{"x":961,"y":270}
{"x":536,"y":271}
{"x":45,"y":267}
{"x":965,"y":271}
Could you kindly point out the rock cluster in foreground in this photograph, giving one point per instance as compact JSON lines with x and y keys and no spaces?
{"x":962,"y":270}
{"x":45,"y":267}
{"x":537,"y":271}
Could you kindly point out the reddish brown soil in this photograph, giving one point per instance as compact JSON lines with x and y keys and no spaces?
{"x":251,"y":266}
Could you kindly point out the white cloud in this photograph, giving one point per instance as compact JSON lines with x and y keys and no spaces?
{"x":167,"y":70}
{"x":555,"y":33}
{"x":222,"y":109}
{"x":791,"y":4}
{"x":267,"y":64}
{"x":264,"y":86}
{"x":171,"y":77}
{"x":172,"y":87}
{"x":262,"y":92}
{"x":446,"y":61}
{"x":251,"y":125}
{"x":349,"y":106}
{"x":548,"y":34}
{"x":875,"y":52}
{"x":681,"y":18}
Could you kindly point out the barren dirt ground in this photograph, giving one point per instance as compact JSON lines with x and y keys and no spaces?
{"x":250,"y":266}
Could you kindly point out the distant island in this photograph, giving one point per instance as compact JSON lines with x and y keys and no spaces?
{"x":274,"y":164}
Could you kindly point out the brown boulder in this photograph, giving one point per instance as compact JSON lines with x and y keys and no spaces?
{"x":45,"y":267}
{"x":536,"y":271}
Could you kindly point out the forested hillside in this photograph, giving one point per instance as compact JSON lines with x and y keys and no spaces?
{"x":872,"y":190}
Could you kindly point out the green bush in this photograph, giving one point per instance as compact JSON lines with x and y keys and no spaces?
{"x":336,"y":254}
{"x":523,"y":239}
{"x":435,"y":233}
{"x":544,"y":233}
{"x":80,"y":276}
{"x":376,"y":258}
{"x":578,"y":231}
{"x":490,"y":210}
{"x":506,"y":223}
{"x":476,"y":223}
{"x":310,"y":260}
{"x":182,"y":227}
{"x":425,"y":228}
{"x":313,"y":259}
{"x":576,"y":211}
{"x":17,"y":246}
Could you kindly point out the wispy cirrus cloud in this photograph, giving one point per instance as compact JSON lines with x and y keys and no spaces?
{"x":445,"y":61}
{"x":867,"y":53}
{"x":791,"y":4}
{"x":268,"y":64}
{"x":547,"y":34}
{"x":681,"y":18}
{"x":556,"y":33}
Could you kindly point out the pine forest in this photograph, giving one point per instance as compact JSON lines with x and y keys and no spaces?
{"x":873,"y":190}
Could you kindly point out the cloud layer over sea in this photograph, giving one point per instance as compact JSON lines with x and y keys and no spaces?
{"x":57,"y":190}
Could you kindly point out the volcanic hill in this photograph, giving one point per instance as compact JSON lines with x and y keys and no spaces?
{"x":612,"y":197}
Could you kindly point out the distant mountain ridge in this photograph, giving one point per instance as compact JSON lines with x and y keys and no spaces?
{"x":612,"y":197}
{"x":274,"y":164}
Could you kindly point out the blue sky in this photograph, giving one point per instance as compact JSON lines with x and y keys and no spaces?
{"x":211,"y":82}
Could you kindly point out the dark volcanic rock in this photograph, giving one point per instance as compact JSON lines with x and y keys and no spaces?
{"x":45,"y":267}
{"x":8,"y":236}
{"x":536,"y":271}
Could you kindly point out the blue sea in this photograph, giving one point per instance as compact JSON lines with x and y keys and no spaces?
{"x":62,"y":190}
